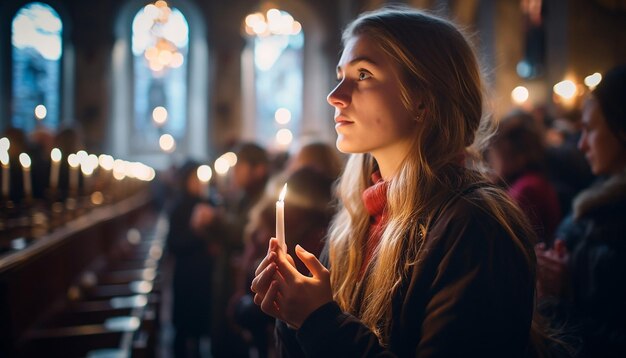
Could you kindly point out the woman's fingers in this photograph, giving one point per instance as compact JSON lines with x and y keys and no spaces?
{"x":268,"y":304}
{"x":311,"y":262}
{"x":269,"y":258}
{"x":258,"y":299}
{"x":262,"y":281}
{"x":272,"y":249}
{"x":286,"y":267}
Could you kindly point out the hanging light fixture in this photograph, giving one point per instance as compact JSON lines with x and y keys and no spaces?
{"x":271,"y":22}
{"x":163,"y":53}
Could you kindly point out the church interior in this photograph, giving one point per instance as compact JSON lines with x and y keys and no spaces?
{"x":128,"y":125}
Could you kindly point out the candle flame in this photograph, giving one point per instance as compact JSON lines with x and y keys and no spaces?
{"x":25,"y":160}
{"x":283,"y":192}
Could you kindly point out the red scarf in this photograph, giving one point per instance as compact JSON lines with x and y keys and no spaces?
{"x":375,"y":200}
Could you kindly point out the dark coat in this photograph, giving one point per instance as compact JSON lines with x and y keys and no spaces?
{"x":470,"y":295}
{"x":596,"y":238}
{"x":193,"y":270}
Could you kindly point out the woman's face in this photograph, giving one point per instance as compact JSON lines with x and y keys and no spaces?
{"x":604,"y":152}
{"x":369,"y":113}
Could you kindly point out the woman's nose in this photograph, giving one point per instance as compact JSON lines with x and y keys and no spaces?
{"x":339,"y":97}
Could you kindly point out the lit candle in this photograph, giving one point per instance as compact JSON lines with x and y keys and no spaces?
{"x":28,"y":187}
{"x":55,"y":156}
{"x":72,"y":160}
{"x":4,"y":158}
{"x":280,"y":218}
{"x":87,"y":169}
{"x":204,"y":173}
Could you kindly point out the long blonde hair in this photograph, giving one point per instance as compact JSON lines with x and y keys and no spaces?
{"x":438,"y":67}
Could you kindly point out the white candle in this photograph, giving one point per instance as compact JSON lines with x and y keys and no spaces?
{"x":280,"y":218}
{"x":28,"y":187}
{"x":55,"y":164}
{"x":72,"y":160}
{"x":6,"y":178}
{"x":204,"y":173}
{"x":87,"y":171}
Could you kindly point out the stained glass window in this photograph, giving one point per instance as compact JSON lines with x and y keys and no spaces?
{"x":37,"y":47}
{"x":160,"y":39}
{"x":278,"y":43}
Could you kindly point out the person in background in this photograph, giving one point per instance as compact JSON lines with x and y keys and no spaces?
{"x":517,"y":155}
{"x":566,"y":167}
{"x":425,"y":258}
{"x":193,"y":267}
{"x":250,"y":176}
{"x":584,"y":272}
{"x":318,"y":156}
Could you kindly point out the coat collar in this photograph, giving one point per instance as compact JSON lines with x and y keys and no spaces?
{"x":609,"y":192}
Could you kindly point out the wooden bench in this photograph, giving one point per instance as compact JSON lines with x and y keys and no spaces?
{"x":37,"y":318}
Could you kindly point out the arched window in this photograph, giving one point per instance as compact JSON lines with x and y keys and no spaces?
{"x":160,"y":39}
{"x":277,"y":44}
{"x":36,"y":57}
{"x":140,"y":86}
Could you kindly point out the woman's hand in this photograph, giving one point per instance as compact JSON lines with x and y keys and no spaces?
{"x":285,"y":293}
{"x":552,"y":269}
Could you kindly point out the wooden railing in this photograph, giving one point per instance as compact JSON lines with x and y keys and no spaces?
{"x":88,"y":285}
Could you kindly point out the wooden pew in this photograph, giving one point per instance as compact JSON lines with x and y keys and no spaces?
{"x":34,"y":282}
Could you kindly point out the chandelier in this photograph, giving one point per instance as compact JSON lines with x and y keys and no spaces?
{"x":163,"y":53}
{"x":271,"y":22}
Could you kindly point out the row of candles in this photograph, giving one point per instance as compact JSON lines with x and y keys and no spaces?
{"x":120,"y":169}
{"x":81,"y":161}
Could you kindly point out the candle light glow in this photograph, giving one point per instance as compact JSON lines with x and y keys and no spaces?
{"x":73,"y":162}
{"x":204,"y":173}
{"x":4,"y":159}
{"x":5,"y":144}
{"x":55,"y":156}
{"x":26,"y":163}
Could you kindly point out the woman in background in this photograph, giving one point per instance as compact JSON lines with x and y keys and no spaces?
{"x":517,"y":155}
{"x":585,"y":270}
{"x":193,"y":267}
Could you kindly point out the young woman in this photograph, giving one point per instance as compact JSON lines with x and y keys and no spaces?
{"x":424,"y":257}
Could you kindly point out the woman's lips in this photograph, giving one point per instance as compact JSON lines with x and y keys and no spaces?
{"x":341,"y":121}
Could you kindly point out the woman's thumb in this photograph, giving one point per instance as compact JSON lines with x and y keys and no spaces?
{"x":310,"y":261}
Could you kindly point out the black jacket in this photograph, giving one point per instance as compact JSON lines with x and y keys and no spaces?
{"x":596,"y":237}
{"x":470,"y":295}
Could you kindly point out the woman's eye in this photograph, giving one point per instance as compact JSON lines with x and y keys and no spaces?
{"x":364,"y":75}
